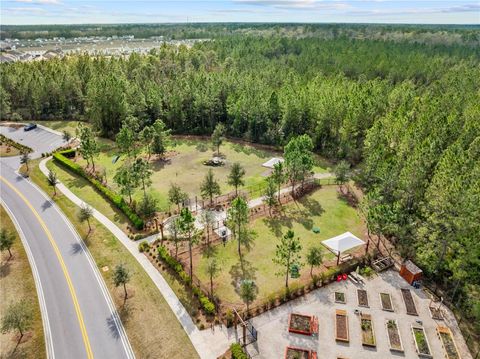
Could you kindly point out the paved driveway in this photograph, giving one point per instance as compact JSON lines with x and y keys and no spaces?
{"x":39,"y":139}
{"x":274,"y":337}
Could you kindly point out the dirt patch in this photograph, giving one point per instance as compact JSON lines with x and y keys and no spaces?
{"x":362,"y":297}
{"x":300,"y":323}
{"x":409,"y":303}
{"x":297,"y":353}
{"x":386,"y":302}
{"x":394,"y":336}
{"x":341,"y":326}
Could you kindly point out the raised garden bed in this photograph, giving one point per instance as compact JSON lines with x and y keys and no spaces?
{"x":409,"y":303}
{"x":341,"y":326}
{"x":394,"y":336}
{"x":436,"y":313}
{"x":368,"y":334}
{"x":448,"y":343}
{"x":362,"y":297}
{"x":421,"y":342}
{"x":303,"y":324}
{"x":299,"y":353}
{"x":386,"y":301}
{"x":340,"y":297}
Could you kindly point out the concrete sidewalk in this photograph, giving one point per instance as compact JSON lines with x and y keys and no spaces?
{"x":208,"y":343}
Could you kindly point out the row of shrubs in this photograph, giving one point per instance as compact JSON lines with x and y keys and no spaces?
{"x":18,"y":146}
{"x":62,"y":159}
{"x":176,"y":266}
{"x":237,"y":351}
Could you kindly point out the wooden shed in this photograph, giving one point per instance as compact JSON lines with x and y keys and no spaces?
{"x":410,"y":272}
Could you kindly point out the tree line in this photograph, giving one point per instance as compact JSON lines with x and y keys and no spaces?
{"x":405,"y":115}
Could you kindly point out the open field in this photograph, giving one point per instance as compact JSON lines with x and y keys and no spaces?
{"x":151,"y":326}
{"x":16,"y":283}
{"x":185,"y":167}
{"x":61,"y":126}
{"x":323,"y":208}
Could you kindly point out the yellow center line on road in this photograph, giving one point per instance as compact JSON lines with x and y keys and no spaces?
{"x":81,"y":323}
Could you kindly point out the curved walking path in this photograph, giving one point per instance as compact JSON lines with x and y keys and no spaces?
{"x":208,"y":343}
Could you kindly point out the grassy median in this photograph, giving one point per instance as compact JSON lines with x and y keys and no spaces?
{"x":151,"y":326}
{"x":16,"y":283}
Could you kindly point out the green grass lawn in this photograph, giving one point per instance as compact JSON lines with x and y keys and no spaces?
{"x":61,"y":126}
{"x":16,"y":283}
{"x":185,"y":167}
{"x":323,"y":209}
{"x":83,"y":189}
{"x":151,"y":326}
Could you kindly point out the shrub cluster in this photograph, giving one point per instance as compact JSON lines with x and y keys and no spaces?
{"x":143,"y":246}
{"x":207,"y":305}
{"x":110,"y":195}
{"x":17,"y":145}
{"x":237,"y":351}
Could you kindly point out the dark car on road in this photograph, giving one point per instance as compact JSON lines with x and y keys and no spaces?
{"x":30,"y":126}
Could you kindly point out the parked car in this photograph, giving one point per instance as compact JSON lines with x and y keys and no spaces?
{"x":30,"y":126}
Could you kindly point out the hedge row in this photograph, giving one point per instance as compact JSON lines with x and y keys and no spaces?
{"x":19,"y":146}
{"x":237,"y":351}
{"x":116,"y":199}
{"x":207,"y":305}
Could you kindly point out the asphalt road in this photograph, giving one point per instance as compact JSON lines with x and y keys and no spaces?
{"x":79,"y":317}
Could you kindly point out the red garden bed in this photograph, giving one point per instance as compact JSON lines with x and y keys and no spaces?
{"x":299,"y":353}
{"x":303,"y":324}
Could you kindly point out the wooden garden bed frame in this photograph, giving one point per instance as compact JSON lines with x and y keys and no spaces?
{"x":392,"y":348}
{"x":367,"y":318}
{"x":409,"y":302}
{"x":442,"y":332}
{"x":359,"y":293}
{"x":313,"y":324}
{"x":391,"y":309}
{"x":341,"y":315}
{"x":421,"y":354}
{"x":339,"y":301}
{"x":435,"y":313}
{"x":310,"y":353}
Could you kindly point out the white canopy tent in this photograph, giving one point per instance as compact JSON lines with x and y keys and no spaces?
{"x":342,"y":243}
{"x":272,"y":162}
